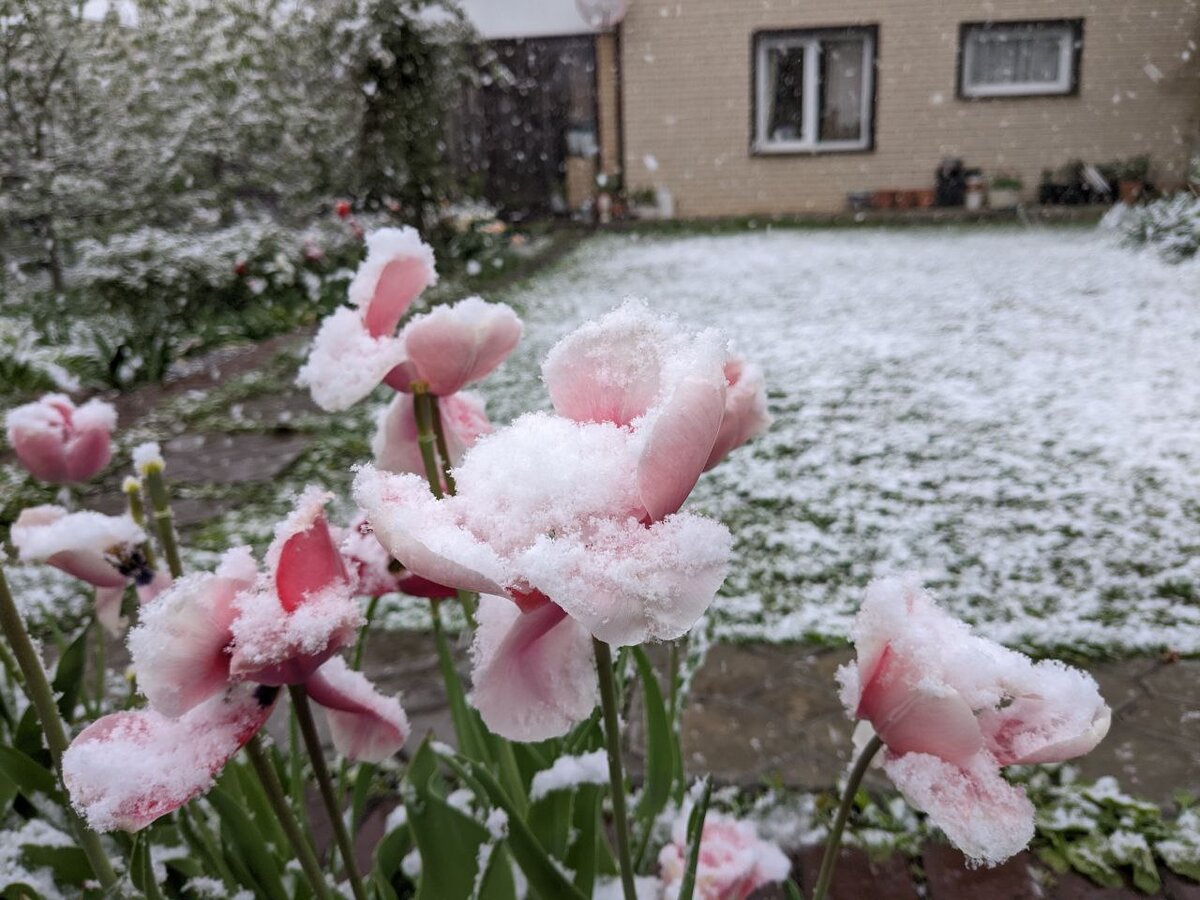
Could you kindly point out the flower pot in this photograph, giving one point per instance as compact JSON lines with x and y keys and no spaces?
{"x":883,"y":199}
{"x":1004,"y":198}
{"x":1131,"y":189}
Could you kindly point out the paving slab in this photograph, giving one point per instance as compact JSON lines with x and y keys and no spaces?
{"x":949,"y":877}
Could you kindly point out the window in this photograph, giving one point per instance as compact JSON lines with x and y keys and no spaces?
{"x":813,"y":90}
{"x":1019,"y":59}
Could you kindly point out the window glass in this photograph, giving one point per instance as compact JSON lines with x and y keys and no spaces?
{"x":1018,"y":59}
{"x":842,"y":88}
{"x":785,"y":87}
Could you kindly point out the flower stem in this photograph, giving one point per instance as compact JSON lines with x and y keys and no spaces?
{"x":839,"y":823}
{"x":308,"y":730}
{"x":275,"y":796}
{"x":164,"y":519}
{"x":429,"y":421}
{"x":439,"y":434}
{"x":612,"y":736}
{"x":37,"y":687}
{"x":137,"y":511}
{"x":423,"y":409}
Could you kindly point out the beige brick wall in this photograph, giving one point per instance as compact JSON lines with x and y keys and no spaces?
{"x":686,"y":76}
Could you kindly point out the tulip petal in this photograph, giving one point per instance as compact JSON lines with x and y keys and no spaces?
{"x":746,"y":415}
{"x":345,"y":363}
{"x":397,"y":268}
{"x":424,"y":534}
{"x":180,"y":647}
{"x":534,"y":676}
{"x":364,"y":724}
{"x":453,"y":346}
{"x":308,"y":563}
{"x":627,"y":583}
{"x":678,"y":445}
{"x":1052,"y":713}
{"x":128,"y":769}
{"x":108,"y":609}
{"x":77,"y":543}
{"x":983,"y":815}
{"x":913,"y":714}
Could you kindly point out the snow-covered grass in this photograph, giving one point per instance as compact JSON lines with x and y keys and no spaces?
{"x":1014,"y":414}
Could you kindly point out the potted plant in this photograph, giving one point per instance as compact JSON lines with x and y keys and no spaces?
{"x":643,"y":203}
{"x":1004,"y":191}
{"x":1131,"y":178}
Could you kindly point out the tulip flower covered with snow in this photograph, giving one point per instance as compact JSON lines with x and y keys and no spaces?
{"x":952,"y":709}
{"x":57,"y":441}
{"x":211,"y":654}
{"x":103,"y":551}
{"x":445,"y":350}
{"x":734,"y":861}
{"x":570,"y":524}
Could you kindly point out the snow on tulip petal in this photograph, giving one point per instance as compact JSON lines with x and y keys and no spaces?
{"x":424,"y":534}
{"x":305,"y":610}
{"x":345,"y":362}
{"x":746,"y":415}
{"x":455,"y":345}
{"x":1052,"y":713}
{"x":59,"y":442}
{"x":364,"y":724}
{"x":130,"y":768}
{"x":733,"y":863}
{"x":397,"y":268}
{"x":628,"y":584}
{"x":86,"y":545}
{"x":180,"y":647}
{"x":678,"y":445}
{"x":983,"y":815}
{"x":534,"y":675}
{"x":303,"y":557}
{"x":609,"y":370}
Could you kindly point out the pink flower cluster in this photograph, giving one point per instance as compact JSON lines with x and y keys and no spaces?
{"x":952,"y":709}
{"x":569,"y":524}
{"x":210,"y":655}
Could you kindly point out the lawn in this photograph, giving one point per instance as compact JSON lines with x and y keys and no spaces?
{"x":1015,"y":414}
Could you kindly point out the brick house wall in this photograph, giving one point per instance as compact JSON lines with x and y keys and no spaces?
{"x":686,"y":78}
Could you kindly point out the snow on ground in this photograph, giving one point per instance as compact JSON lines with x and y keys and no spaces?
{"x":1014,"y":414}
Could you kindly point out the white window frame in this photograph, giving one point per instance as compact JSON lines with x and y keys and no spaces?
{"x":1068,"y":34}
{"x":811,"y":42}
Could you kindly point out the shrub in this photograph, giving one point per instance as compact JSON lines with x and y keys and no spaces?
{"x":1170,"y":225}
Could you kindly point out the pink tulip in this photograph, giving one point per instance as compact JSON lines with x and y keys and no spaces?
{"x":953,"y":708}
{"x":210,"y":655}
{"x":734,"y":862}
{"x":127,"y":769}
{"x":746,"y":415}
{"x":356,"y":347}
{"x":374,"y":571}
{"x":395,"y":446}
{"x":643,"y":372}
{"x":305,"y":611}
{"x":575,"y":518}
{"x":59,"y":442}
{"x":103,"y":551}
{"x":456,"y":345}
